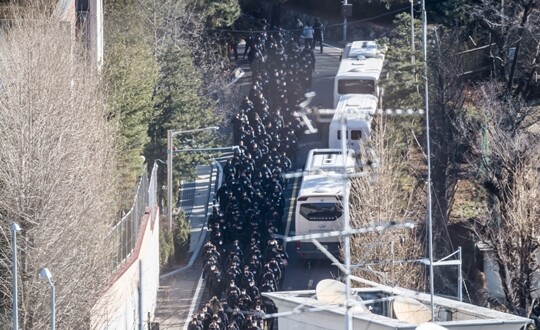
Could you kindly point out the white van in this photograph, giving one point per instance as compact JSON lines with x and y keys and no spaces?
{"x":357,"y":110}
{"x":359,"y":70}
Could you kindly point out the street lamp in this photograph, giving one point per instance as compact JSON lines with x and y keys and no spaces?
{"x":170,"y":135}
{"x":44,"y":273}
{"x":14,"y":229}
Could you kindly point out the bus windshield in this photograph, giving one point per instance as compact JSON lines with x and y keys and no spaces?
{"x":321,"y":211}
{"x":356,"y":86}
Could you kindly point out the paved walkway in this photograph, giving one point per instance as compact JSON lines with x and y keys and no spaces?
{"x":178,"y":290}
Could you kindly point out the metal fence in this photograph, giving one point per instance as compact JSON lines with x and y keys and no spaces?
{"x":124,"y":234}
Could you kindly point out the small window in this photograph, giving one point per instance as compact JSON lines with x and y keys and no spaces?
{"x":356,"y":135}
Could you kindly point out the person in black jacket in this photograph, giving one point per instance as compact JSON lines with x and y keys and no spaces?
{"x":238,"y":317}
{"x":250,"y":40}
{"x":318,"y":34}
{"x":195,"y":324}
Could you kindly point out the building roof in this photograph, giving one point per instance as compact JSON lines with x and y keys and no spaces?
{"x":378,"y":310}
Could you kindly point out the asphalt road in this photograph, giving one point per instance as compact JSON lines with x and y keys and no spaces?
{"x":302,"y":275}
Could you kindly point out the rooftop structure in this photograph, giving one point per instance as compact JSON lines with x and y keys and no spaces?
{"x":328,"y":160}
{"x":380,"y":307}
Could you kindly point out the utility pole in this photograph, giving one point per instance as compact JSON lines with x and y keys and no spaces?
{"x":170,"y":150}
{"x":428,"y":152}
{"x":14,"y":229}
{"x":346,"y":228}
{"x":345,"y":4}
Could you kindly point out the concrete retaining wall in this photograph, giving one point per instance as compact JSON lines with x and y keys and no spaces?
{"x":118,"y":308}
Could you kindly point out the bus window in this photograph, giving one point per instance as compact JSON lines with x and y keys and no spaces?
{"x":356,"y":86}
{"x":356,"y":135}
{"x":321,"y":211}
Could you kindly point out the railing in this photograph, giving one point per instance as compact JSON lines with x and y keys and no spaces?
{"x":124,"y":234}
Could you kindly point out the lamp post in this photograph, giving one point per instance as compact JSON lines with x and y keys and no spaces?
{"x":170,"y":135}
{"x":44,"y":273}
{"x":14,"y":229}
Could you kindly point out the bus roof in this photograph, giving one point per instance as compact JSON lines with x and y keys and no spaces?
{"x":324,"y":173}
{"x":328,"y":160}
{"x":322,"y":184}
{"x":355,"y":106}
{"x":363,"y":68}
{"x":366,"y":48}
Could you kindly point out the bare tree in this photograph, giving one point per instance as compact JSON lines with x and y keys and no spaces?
{"x":386,"y":196}
{"x":513,"y":26}
{"x":446,"y":107}
{"x":507,"y":143}
{"x":56,"y":172}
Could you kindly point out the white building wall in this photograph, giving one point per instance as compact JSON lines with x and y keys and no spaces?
{"x":118,"y":308}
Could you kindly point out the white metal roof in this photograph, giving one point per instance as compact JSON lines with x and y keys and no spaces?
{"x":322,"y":184}
{"x":324,"y":172}
{"x":366,"y":68}
{"x":356,"y":106}
{"x":366,"y":48}
{"x":361,"y":60}
{"x":450,"y":314}
{"x":329,"y":160}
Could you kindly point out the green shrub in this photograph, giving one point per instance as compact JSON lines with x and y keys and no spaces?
{"x":181,"y":237}
{"x":166,"y":245}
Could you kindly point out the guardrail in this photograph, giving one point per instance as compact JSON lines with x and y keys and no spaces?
{"x":123,"y":235}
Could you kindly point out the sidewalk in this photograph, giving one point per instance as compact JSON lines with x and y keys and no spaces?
{"x":178,"y":289}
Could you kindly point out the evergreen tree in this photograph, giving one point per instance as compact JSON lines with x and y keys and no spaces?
{"x":403,"y":86}
{"x":178,"y":106}
{"x":131,"y":73}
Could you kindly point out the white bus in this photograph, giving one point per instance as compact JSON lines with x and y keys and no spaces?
{"x":359,"y":70}
{"x":319,"y":203}
{"x":358,"y":111}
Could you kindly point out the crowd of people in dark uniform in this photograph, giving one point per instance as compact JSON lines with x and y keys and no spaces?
{"x":243,"y":258}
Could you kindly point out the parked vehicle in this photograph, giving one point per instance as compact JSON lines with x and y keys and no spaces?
{"x":356,"y":111}
{"x":359,"y":70}
{"x":319,"y":205}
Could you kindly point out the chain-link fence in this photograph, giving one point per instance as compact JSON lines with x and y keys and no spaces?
{"x":124,"y":234}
